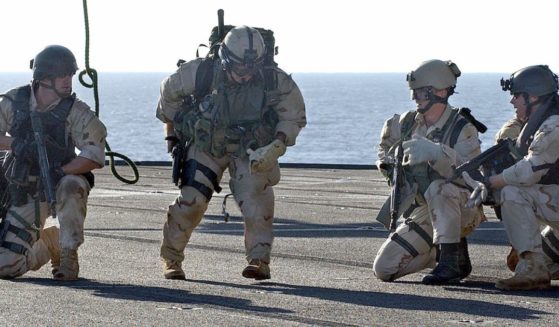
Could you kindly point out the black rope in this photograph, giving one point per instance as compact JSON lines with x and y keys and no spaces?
{"x":92,"y":73}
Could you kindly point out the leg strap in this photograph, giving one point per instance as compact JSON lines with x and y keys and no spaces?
{"x":548,"y":250}
{"x":191,"y":166}
{"x":550,"y":253}
{"x":14,"y":247}
{"x":405,"y":244}
{"x":422,"y":233}
{"x":24,"y":235}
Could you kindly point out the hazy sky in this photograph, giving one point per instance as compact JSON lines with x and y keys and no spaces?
{"x":313,"y":36}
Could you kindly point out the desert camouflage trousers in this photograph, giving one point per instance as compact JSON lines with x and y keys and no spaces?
{"x":71,"y":194}
{"x":252,"y":192}
{"x":444,"y":219}
{"x":524,"y":211}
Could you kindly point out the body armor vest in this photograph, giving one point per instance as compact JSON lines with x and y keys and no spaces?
{"x":230,"y":118}
{"x":422,"y":174}
{"x":60,"y":148}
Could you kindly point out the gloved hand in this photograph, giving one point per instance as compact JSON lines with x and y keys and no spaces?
{"x":419,"y":149}
{"x":264,"y":158}
{"x":23,"y":149}
{"x":172,"y":140}
{"x":56,"y":174}
{"x":479,"y":194}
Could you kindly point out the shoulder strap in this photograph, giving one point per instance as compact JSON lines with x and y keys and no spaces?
{"x":20,"y":106}
{"x":407,"y":123}
{"x":204,"y":77}
{"x":270,"y":79}
{"x":22,"y":97}
{"x":62,"y":110}
{"x":464,"y":117}
{"x":456,"y":130}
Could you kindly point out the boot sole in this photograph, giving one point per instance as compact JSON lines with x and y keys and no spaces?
{"x":441,"y":282}
{"x":175,"y":276}
{"x":255,"y":274}
{"x":527,"y":288}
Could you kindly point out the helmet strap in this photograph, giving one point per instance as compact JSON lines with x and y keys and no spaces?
{"x":433,"y":99}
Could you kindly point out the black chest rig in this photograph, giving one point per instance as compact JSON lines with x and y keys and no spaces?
{"x":60,"y":147}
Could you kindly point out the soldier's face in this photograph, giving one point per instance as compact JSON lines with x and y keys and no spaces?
{"x":63,"y":85}
{"x":421,"y":97}
{"x":518,"y":101}
{"x":241,"y":79}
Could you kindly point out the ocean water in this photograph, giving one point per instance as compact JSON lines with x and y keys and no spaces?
{"x":345,"y":112}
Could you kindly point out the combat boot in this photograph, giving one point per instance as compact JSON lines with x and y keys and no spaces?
{"x":447,"y":270}
{"x":257,"y":269}
{"x":172,"y":270}
{"x":533,"y":275}
{"x":464,"y":263}
{"x":69,"y":266}
{"x":512,"y":259}
{"x":51,"y":238}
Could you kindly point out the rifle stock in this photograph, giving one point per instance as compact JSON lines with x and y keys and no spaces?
{"x":44,"y":166}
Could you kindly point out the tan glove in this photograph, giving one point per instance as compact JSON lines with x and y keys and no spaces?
{"x":479,"y":194}
{"x":264,"y":158}
{"x":420,"y":149}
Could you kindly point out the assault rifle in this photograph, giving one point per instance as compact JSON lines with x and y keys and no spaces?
{"x":44,"y":166}
{"x":492,"y":161}
{"x":397,"y":184}
{"x":395,"y":205}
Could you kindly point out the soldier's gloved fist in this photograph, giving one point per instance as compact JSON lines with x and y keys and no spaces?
{"x":479,"y":194}
{"x":419,"y":149}
{"x":171,"y":142}
{"x":56,"y":174}
{"x":264,"y":158}
{"x":23,"y":149}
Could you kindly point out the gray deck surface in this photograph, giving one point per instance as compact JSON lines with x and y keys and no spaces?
{"x":325,"y":244}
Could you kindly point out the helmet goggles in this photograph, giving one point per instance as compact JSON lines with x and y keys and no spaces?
{"x":422,"y":93}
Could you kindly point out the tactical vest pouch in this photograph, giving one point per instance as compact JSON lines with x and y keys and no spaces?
{"x":202,"y":134}
{"x":184,"y":122}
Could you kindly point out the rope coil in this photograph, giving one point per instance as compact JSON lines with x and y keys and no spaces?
{"x":92,"y":74}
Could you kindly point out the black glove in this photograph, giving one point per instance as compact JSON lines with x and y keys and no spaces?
{"x":56,"y":174}
{"x":23,"y":149}
{"x":171,"y":142}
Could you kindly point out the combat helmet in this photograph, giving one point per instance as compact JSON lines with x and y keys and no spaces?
{"x":434,"y":73}
{"x":53,"y":61}
{"x":534,"y":80}
{"x":242,"y":50}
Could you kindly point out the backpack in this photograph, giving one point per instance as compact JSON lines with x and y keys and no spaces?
{"x":204,"y":74}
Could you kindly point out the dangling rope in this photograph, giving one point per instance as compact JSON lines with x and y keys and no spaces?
{"x":92,"y":73}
